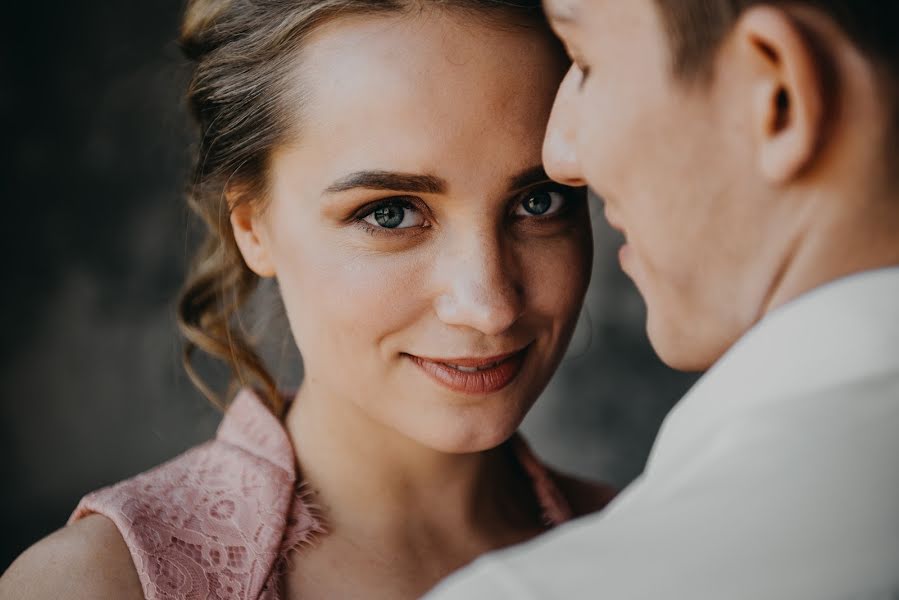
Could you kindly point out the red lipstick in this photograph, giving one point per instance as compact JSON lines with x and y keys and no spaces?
{"x":474,"y":376}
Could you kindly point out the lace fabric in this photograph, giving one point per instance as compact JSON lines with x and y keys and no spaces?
{"x":220,"y":520}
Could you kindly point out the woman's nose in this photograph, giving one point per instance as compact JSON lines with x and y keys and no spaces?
{"x":481,"y":289}
{"x":560,"y":156}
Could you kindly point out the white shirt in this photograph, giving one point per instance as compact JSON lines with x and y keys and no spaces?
{"x":776,"y":477}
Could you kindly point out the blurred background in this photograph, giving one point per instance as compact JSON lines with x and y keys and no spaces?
{"x":96,"y":238}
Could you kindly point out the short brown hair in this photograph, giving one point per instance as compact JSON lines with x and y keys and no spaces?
{"x":696,"y":28}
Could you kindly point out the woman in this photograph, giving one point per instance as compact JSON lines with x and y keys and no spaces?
{"x":381,"y":161}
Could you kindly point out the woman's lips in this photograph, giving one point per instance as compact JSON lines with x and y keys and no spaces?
{"x":475,"y":376}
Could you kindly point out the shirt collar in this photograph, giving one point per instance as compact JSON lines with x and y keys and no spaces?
{"x":250,"y":426}
{"x":842,"y":331}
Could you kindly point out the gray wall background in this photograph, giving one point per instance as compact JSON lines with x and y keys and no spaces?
{"x":96,"y":238}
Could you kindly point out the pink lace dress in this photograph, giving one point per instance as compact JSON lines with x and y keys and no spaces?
{"x":219,"y":521}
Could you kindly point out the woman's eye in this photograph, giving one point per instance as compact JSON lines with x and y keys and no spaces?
{"x":395,"y":215}
{"x":541,"y":203}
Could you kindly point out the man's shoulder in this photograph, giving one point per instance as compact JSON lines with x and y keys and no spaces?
{"x":798,"y":502}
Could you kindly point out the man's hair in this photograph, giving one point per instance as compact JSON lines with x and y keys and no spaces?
{"x":696,"y":28}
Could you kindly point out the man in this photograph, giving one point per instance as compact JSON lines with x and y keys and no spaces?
{"x":748,"y":152}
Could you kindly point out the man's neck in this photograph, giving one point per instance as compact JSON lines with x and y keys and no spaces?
{"x":853,"y":237}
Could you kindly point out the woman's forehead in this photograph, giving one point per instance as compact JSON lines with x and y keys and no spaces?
{"x":421,"y":72}
{"x":423,"y":94}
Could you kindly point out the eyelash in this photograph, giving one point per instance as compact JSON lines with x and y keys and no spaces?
{"x":571,"y":197}
{"x":404,"y":202}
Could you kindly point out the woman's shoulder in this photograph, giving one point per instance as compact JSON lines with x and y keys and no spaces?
{"x":217,"y":514}
{"x":86,"y":559}
{"x":583,"y":496}
{"x":245,"y":469}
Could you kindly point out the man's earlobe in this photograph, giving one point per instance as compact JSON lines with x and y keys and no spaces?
{"x":788,"y":95}
{"x":252,"y":244}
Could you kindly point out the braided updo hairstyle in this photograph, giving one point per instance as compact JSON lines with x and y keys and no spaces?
{"x":243,"y":54}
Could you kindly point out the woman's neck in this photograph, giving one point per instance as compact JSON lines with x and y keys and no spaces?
{"x":372,"y":480}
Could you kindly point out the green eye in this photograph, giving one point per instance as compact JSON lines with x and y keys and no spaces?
{"x":541,"y":203}
{"x":390,"y":217}
{"x":538,"y":204}
{"x":394,"y":214}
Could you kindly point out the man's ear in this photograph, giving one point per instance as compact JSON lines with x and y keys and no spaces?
{"x":788,"y":91}
{"x":250,"y":237}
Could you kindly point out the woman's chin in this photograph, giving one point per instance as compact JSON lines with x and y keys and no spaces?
{"x":468,"y":436}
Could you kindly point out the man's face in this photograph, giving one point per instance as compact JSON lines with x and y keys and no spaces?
{"x":671,"y":161}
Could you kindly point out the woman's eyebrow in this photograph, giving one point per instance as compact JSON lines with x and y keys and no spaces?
{"x":421,"y":184}
{"x":388,"y":180}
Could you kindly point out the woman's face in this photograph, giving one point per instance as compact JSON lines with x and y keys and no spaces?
{"x":431,"y":273}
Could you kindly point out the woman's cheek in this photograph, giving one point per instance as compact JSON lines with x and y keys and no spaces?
{"x":350,"y":299}
{"x":558,"y":271}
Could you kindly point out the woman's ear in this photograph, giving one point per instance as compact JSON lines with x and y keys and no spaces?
{"x":251,"y":238}
{"x":788,"y":91}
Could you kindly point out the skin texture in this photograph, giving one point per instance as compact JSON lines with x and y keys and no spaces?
{"x":735,"y":195}
{"x":86,"y":560}
{"x":397,"y":459}
{"x":472,"y":276}
{"x":408,"y":474}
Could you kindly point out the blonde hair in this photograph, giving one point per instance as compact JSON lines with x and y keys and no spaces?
{"x":243,"y":52}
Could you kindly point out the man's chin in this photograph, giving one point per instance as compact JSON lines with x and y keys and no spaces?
{"x":678,"y":349}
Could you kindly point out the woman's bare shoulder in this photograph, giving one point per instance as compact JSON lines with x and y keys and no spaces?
{"x":87,"y":559}
{"x":584,"y":496}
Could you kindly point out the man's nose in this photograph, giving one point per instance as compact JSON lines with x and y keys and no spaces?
{"x":480,"y":286}
{"x":560,"y":157}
